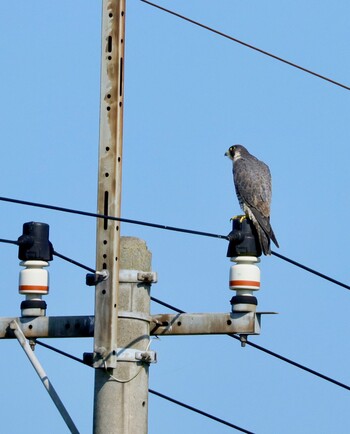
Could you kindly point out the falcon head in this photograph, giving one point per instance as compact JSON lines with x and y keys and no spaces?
{"x":235,"y":152}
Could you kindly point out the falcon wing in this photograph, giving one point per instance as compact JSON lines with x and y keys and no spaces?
{"x":252,"y":181}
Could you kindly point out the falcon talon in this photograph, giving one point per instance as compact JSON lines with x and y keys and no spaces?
{"x":235,"y":217}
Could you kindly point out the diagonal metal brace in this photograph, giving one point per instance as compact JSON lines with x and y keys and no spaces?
{"x":42,"y":375}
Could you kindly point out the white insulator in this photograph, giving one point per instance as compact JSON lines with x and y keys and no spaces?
{"x":245,"y":274}
{"x":34,"y":279}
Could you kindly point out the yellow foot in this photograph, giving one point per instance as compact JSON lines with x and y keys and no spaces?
{"x":238,"y":217}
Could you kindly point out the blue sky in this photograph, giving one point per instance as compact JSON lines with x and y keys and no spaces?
{"x":189,"y":95}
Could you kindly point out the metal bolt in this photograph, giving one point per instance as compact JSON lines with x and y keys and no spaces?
{"x":244,"y":340}
{"x":145,"y":277}
{"x":146,"y":357}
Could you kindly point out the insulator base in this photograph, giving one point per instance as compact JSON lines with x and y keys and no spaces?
{"x":33,"y":308}
{"x":244,"y":303}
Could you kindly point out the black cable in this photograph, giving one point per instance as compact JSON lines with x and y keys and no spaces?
{"x":2,"y":240}
{"x":265,"y":350}
{"x":294,"y":65}
{"x":59,"y":255}
{"x":157,"y":226}
{"x":168,"y":398}
{"x":203,"y":413}
{"x":310,"y":270}
{"x":119,"y":219}
{"x":156,"y":300}
{"x":72,"y":261}
{"x":63,"y":353}
{"x":291,"y":362}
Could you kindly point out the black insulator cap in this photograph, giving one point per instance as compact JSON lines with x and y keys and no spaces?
{"x":34,"y":243}
{"x":244,"y":299}
{"x":243,"y":239}
{"x":33,"y":304}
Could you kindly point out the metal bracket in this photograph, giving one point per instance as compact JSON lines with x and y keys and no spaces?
{"x":134,"y":315}
{"x":206,"y":323}
{"x":92,"y":279}
{"x":134,"y":355}
{"x":137,"y":276}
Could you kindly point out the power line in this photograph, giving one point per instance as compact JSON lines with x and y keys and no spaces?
{"x":2,"y":240}
{"x":176,"y":309}
{"x":161,"y":395}
{"x":72,"y":261}
{"x":265,"y":350}
{"x":59,"y":255}
{"x":310,"y":270}
{"x":203,"y":413}
{"x":156,"y":226}
{"x":294,"y":65}
{"x":119,"y":219}
{"x":63,"y":353}
{"x":291,"y":362}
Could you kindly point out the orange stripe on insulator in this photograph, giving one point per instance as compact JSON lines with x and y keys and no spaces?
{"x":244,"y":283}
{"x":33,"y":288}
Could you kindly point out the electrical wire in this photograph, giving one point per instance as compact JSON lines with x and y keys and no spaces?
{"x":203,"y":413}
{"x":310,"y":270}
{"x":59,"y":255}
{"x":119,"y":380}
{"x":169,"y":306}
{"x":108,"y":217}
{"x":154,"y":225}
{"x":72,"y":261}
{"x":291,"y":362}
{"x":157,"y":226}
{"x":2,"y":240}
{"x":265,"y":350}
{"x":161,"y":395}
{"x":294,"y":65}
{"x":63,"y":353}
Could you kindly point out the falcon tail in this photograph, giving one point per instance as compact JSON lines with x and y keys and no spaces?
{"x":264,"y":241}
{"x":265,"y":232}
{"x":273,"y":238}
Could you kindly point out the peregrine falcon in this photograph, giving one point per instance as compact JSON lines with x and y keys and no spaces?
{"x":252,"y":181}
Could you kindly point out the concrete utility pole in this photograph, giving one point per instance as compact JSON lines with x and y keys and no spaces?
{"x":121,"y":393}
{"x":109,"y":181}
{"x":117,"y":383}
